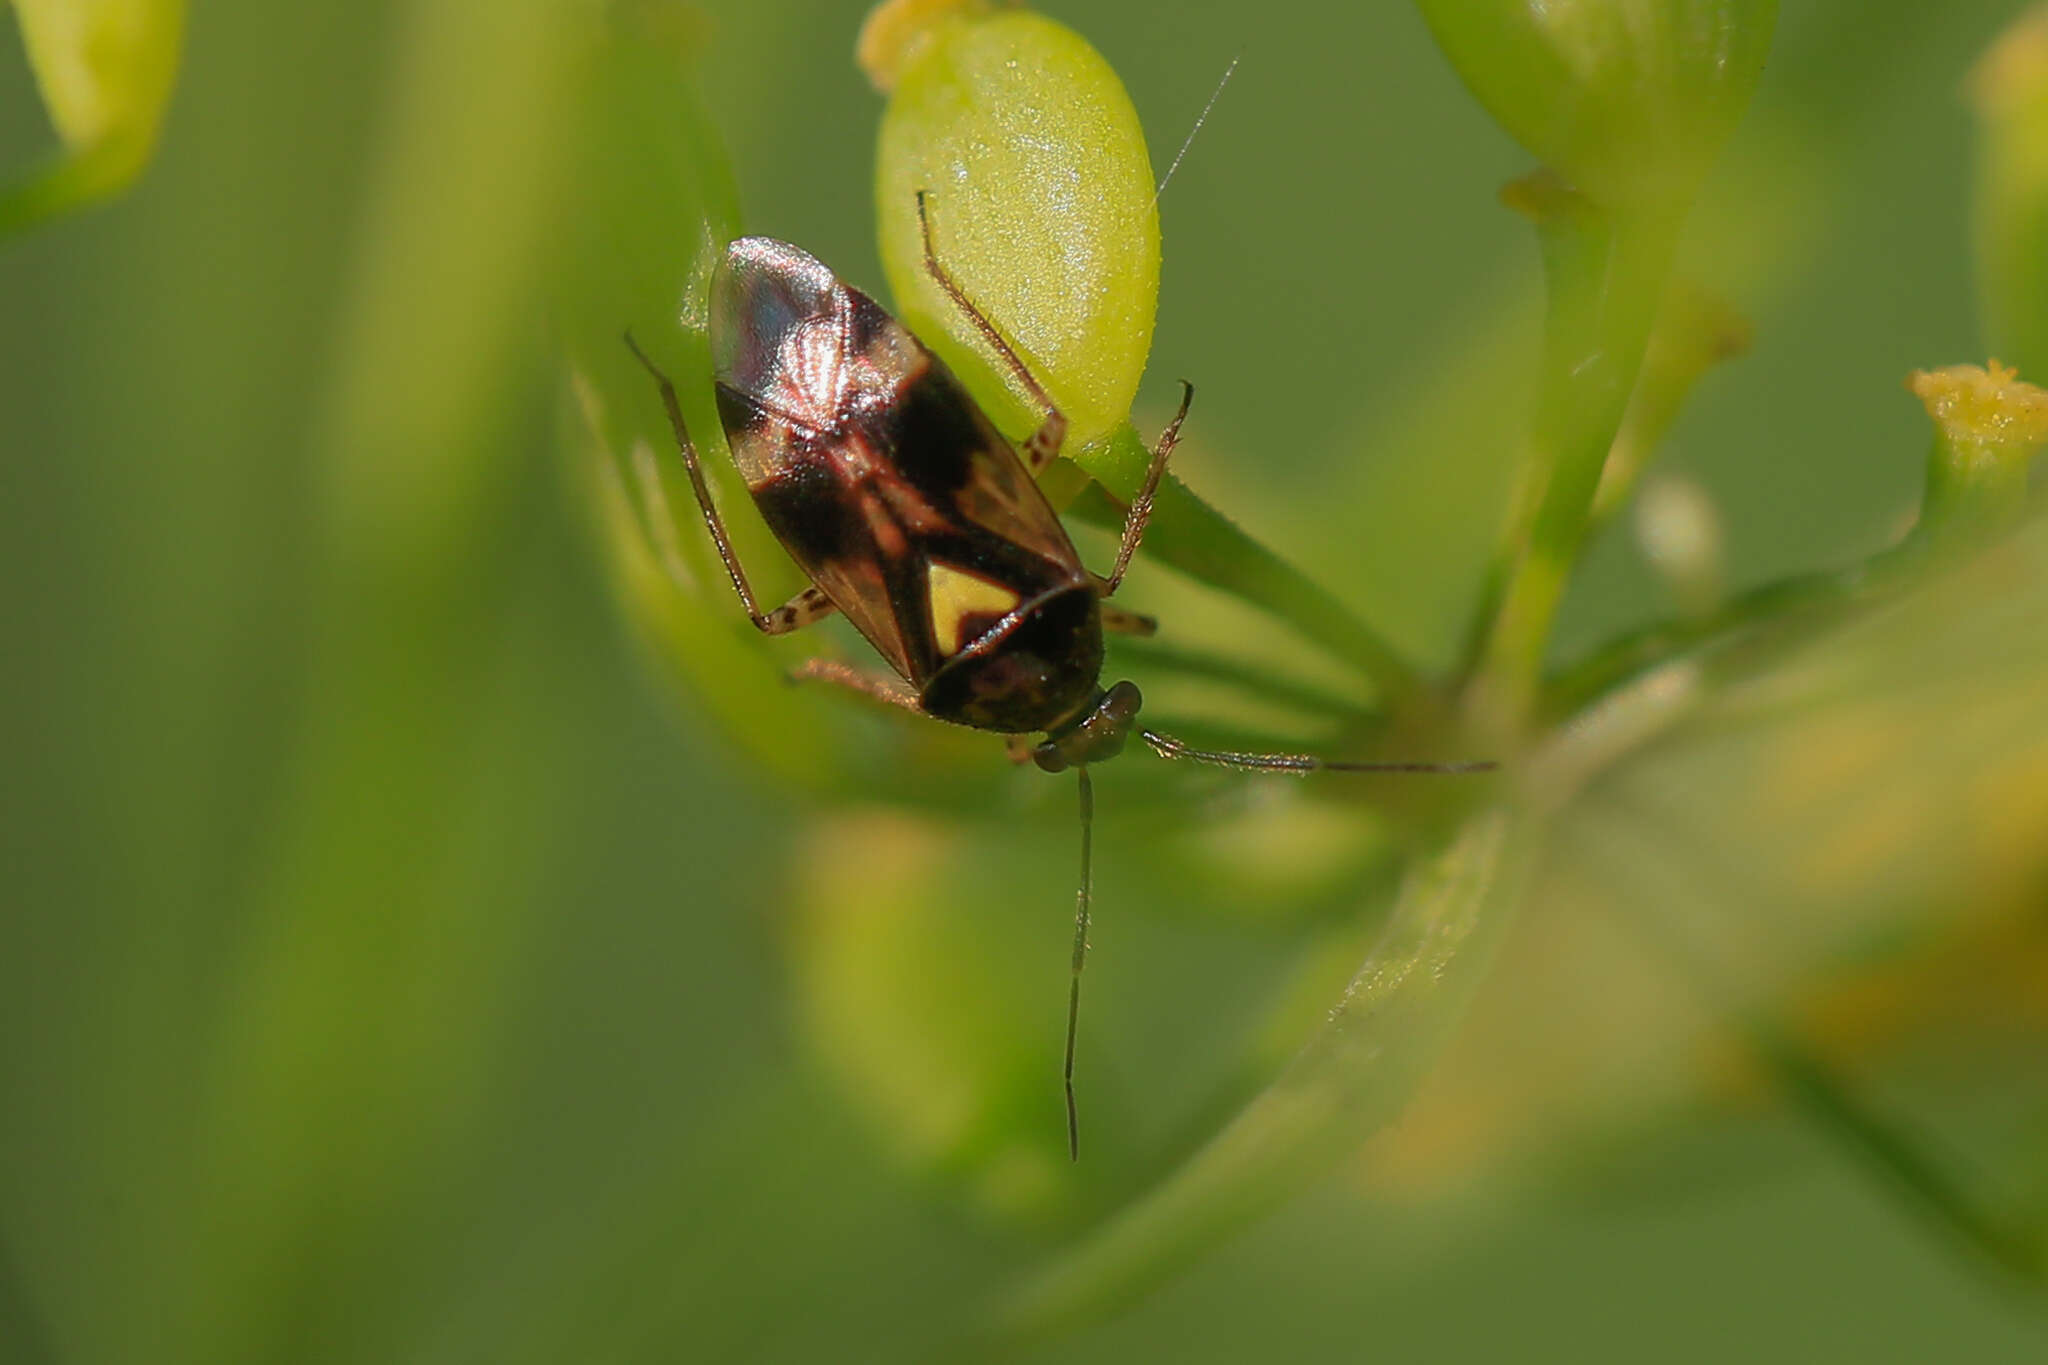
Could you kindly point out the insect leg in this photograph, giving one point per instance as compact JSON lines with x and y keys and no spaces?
{"x":881,"y":687}
{"x":1043,"y":444}
{"x":1125,"y":622}
{"x":1140,"y":510}
{"x":800,"y":610}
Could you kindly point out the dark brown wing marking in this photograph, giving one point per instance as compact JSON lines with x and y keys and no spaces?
{"x":872,"y":465}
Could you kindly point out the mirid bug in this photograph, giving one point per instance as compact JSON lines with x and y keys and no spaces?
{"x":921,"y":523}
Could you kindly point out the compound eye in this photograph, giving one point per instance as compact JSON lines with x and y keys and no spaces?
{"x":1049,"y":757}
{"x":1121,"y":705}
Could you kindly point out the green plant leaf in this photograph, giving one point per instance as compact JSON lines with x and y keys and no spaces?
{"x":338,"y":1077}
{"x":651,"y":208}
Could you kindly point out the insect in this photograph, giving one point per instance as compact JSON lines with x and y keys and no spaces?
{"x":916,"y":519}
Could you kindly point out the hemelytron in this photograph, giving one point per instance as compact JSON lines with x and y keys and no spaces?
{"x":921,"y":523}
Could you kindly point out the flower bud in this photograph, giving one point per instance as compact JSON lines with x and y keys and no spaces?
{"x":1040,"y":199}
{"x":928,"y":1022}
{"x":105,"y":70}
{"x":1630,"y":100}
{"x":1679,"y":530}
{"x":1988,"y":427}
{"x":898,"y":32}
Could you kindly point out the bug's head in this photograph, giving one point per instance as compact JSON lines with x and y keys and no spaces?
{"x":1095,"y":735}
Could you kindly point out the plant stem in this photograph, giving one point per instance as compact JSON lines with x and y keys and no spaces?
{"x":1193,"y":537}
{"x":1761,"y":608}
{"x":1929,"y":1178}
{"x":1762,"y":618}
{"x":1248,"y":677}
{"x":1694,"y":331}
{"x":1605,"y":273}
{"x":1355,"y":1075}
{"x":2011,"y":193}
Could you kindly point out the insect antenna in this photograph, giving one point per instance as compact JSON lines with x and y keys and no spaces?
{"x":1081,"y":906}
{"x":1200,"y":119}
{"x":1166,"y":746}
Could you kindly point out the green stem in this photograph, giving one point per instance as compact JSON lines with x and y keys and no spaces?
{"x":1694,"y":331}
{"x":1776,"y":615}
{"x":2010,"y":91}
{"x":1249,"y":678}
{"x":1927,"y":1177}
{"x":1193,"y":537}
{"x":1766,"y":608}
{"x":1975,"y":488}
{"x":1908,"y":1161}
{"x":1353,"y":1077}
{"x":1606,"y":274}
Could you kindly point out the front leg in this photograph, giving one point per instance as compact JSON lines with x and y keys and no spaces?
{"x":1140,"y":511}
{"x":799,"y":611}
{"x":882,"y":687}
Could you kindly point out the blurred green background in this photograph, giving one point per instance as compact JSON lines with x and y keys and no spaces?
{"x":394,"y":966}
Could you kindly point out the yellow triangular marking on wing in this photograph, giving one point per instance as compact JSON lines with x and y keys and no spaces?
{"x":957,"y":595}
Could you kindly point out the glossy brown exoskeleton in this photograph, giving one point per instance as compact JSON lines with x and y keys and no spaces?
{"x":915,"y":517}
{"x":907,"y":509}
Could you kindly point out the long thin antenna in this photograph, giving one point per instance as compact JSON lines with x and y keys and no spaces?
{"x":1200,"y":119}
{"x":1081,"y":904}
{"x":1166,"y":746}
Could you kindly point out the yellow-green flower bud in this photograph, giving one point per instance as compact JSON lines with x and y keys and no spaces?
{"x":1041,"y":202}
{"x":898,"y":32}
{"x":1630,"y":100}
{"x":1679,"y":531}
{"x":1988,"y":427}
{"x":105,"y":70}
